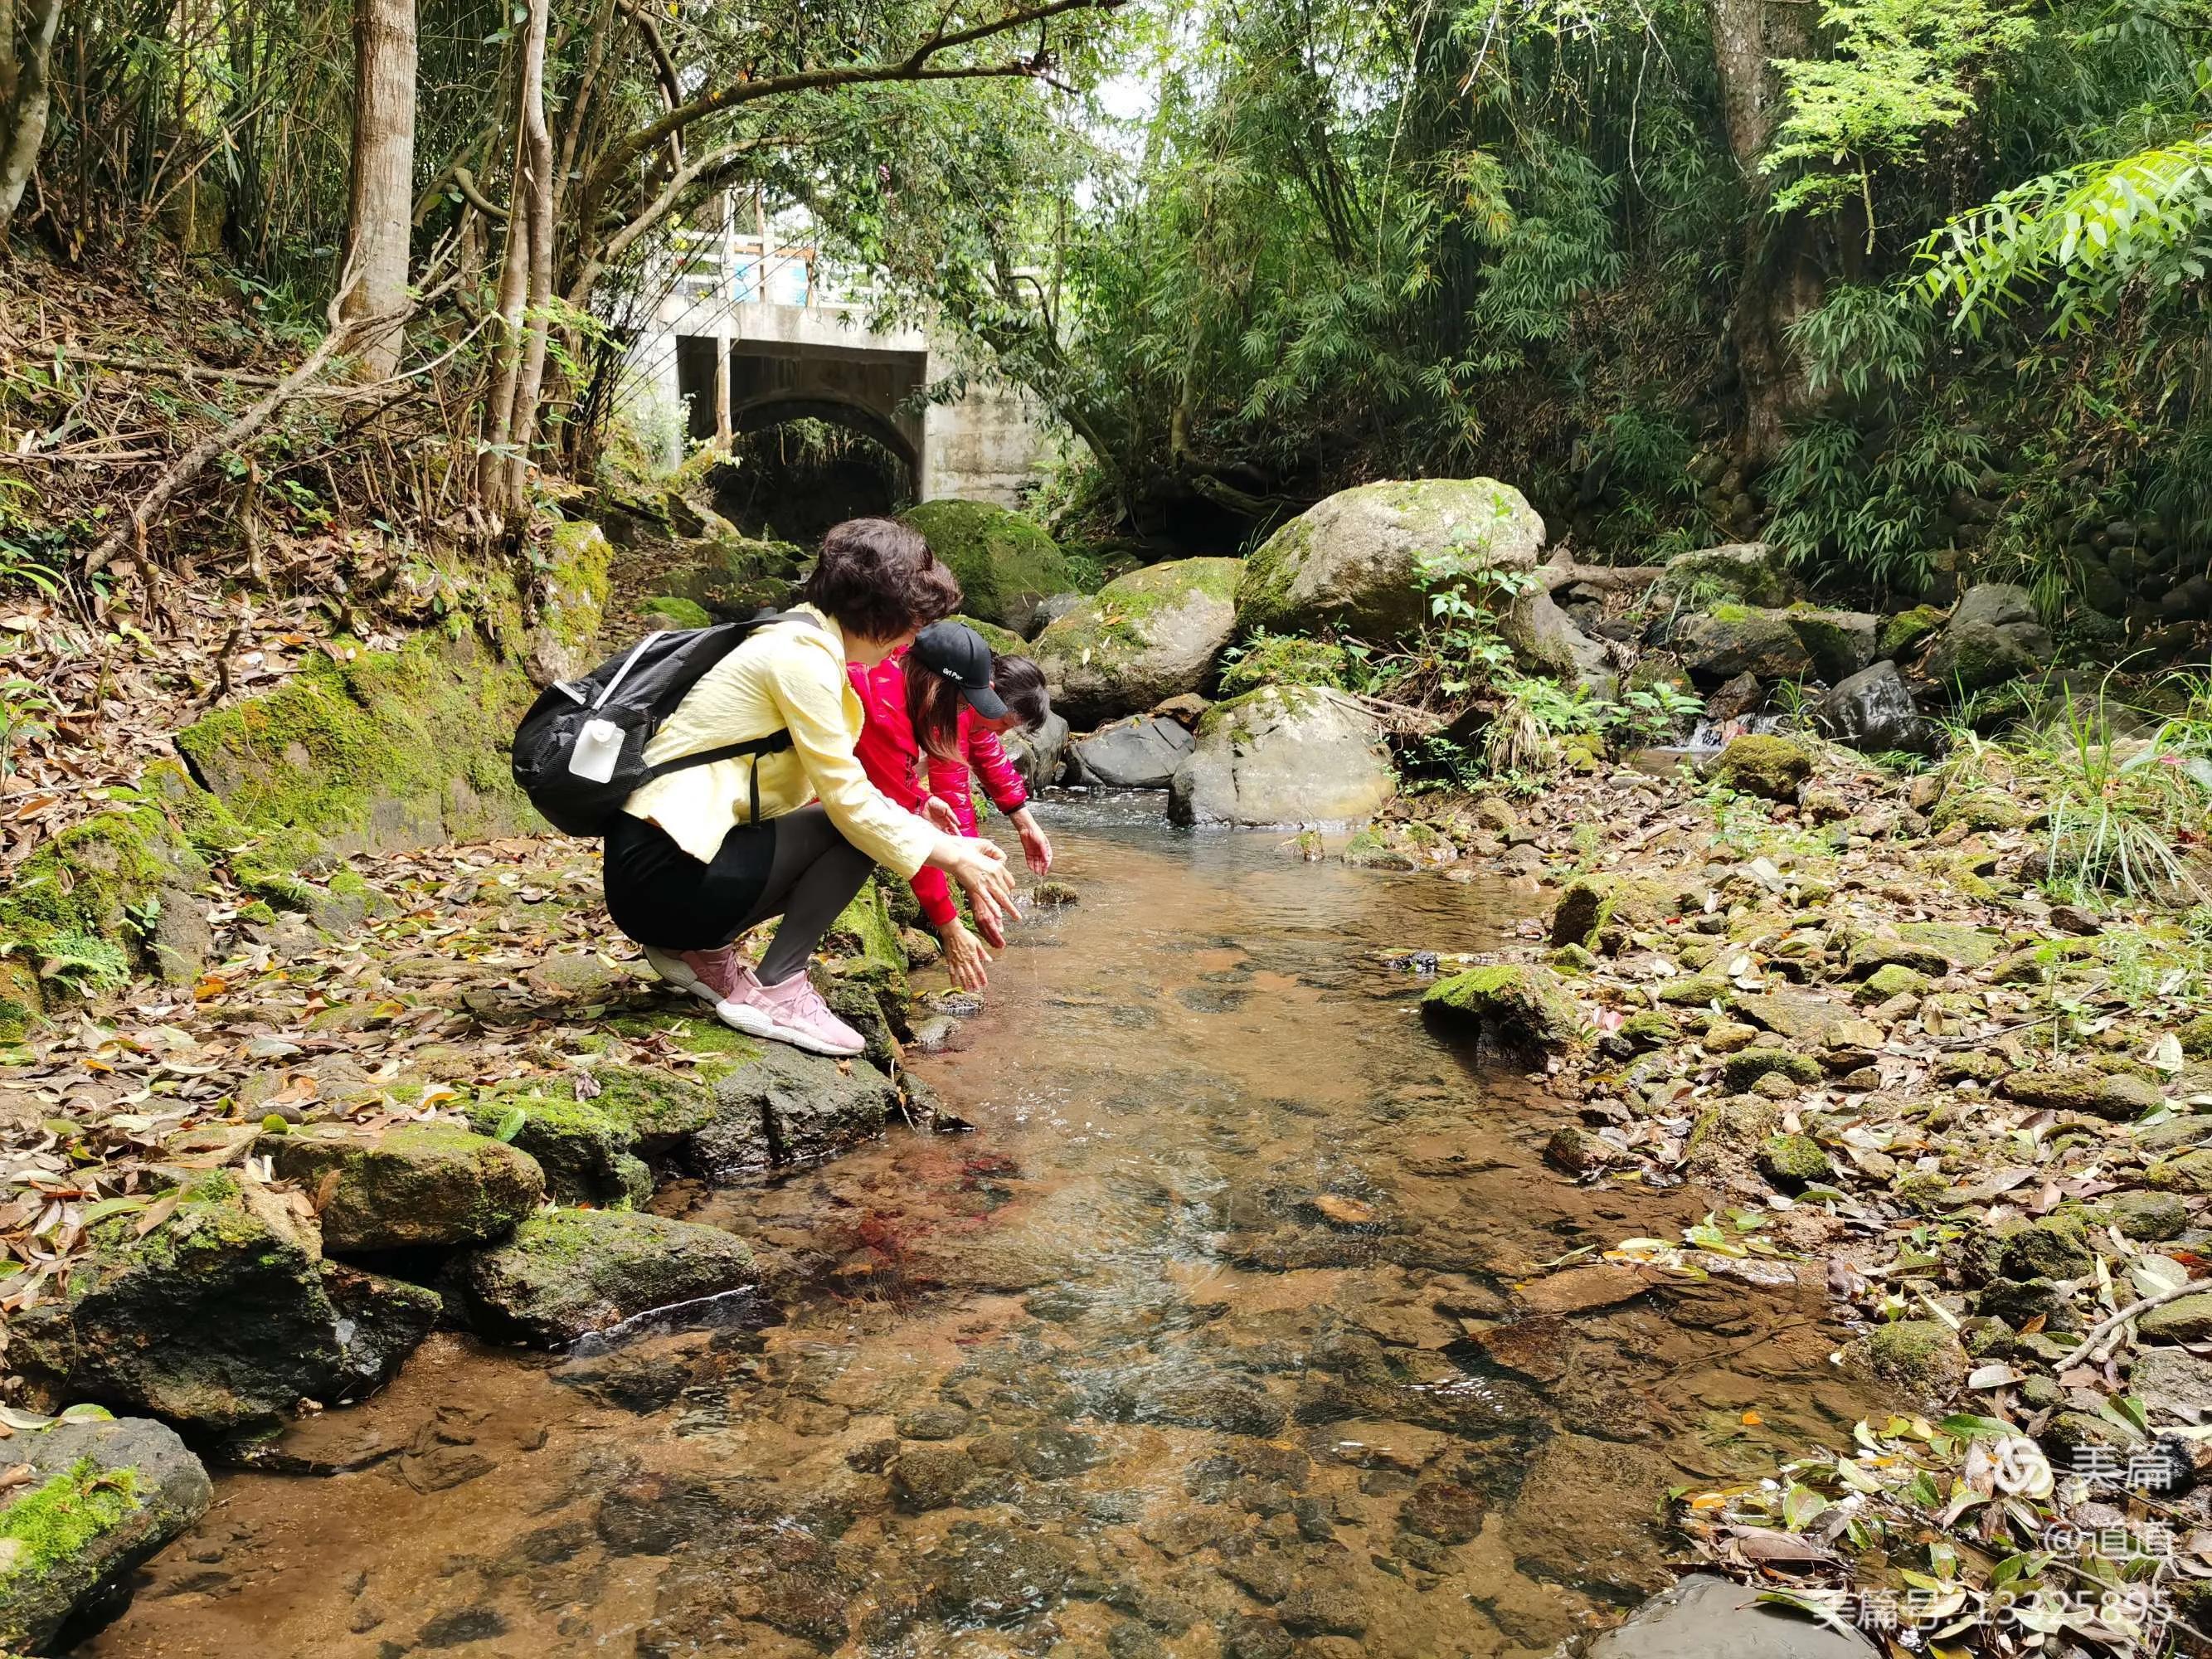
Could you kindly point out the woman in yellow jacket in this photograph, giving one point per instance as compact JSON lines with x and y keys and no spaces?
{"x":701,"y":856}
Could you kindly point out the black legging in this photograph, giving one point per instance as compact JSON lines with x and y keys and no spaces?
{"x":797,"y":866}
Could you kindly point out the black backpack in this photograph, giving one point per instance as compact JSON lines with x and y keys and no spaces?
{"x":632,"y":694}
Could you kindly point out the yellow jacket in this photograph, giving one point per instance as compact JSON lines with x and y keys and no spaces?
{"x":791,"y":678}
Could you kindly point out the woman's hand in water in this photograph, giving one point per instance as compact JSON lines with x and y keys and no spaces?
{"x":980,"y":868}
{"x":965,"y":956}
{"x":941,"y":816}
{"x":1036,"y":846}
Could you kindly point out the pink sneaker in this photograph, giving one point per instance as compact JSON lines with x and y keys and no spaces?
{"x":711,"y":975}
{"x":792,"y":1012}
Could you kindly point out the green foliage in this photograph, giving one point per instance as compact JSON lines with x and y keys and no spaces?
{"x":1897,"y":70}
{"x":2126,"y":818}
{"x":2091,"y":234}
{"x":1281,"y":659}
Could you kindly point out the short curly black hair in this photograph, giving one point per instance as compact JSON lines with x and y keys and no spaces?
{"x":878,"y":577}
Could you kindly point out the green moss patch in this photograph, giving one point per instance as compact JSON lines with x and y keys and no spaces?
{"x":53,"y":1524}
{"x":1001,"y":557}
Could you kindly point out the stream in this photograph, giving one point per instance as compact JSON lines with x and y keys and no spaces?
{"x":1168,"y":1356}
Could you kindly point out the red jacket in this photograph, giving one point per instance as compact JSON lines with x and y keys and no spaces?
{"x":891,"y":756}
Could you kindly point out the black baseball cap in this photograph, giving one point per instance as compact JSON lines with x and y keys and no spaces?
{"x":962,"y":656}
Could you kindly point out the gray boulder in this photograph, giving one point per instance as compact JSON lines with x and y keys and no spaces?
{"x":1546,"y":641}
{"x":1992,"y":637}
{"x":1144,"y":753}
{"x":567,"y":1272}
{"x":1717,"y":645}
{"x":1705,"y":1617}
{"x":1839,"y":642}
{"x":1874,"y":711}
{"x":1748,"y":572}
{"x":1050,"y":608}
{"x":1152,"y":634}
{"x":104,"y":1493}
{"x":1039,"y":755}
{"x":1284,"y":754}
{"x":790,"y":1108}
{"x":1353,"y":560}
{"x":218,"y":1317}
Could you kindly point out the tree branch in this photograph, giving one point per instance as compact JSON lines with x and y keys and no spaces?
{"x":915,"y":66}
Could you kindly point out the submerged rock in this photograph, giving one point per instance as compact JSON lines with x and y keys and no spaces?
{"x":1354,"y":562}
{"x":1706,"y":1617}
{"x":104,"y":1493}
{"x":1284,"y":754}
{"x":414,"y":1185}
{"x":217,"y":1317}
{"x":1144,"y":753}
{"x":566,"y":1273}
{"x":381,"y":1321}
{"x":1154,"y":634}
{"x":1518,"y":1001}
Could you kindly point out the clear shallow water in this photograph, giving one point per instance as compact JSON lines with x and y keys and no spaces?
{"x":1168,"y":1356}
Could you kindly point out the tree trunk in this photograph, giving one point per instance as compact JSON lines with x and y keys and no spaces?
{"x":533,"y":202}
{"x":1781,"y":279}
{"x":27,"y":51}
{"x":382,"y":203}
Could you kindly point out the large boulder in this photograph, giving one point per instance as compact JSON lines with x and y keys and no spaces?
{"x":1706,"y":1617}
{"x":104,"y":1493}
{"x":568,"y":1272}
{"x":218,"y":1317}
{"x":1285,"y":754}
{"x":1144,"y":753}
{"x":1742,"y":573}
{"x":1992,"y":637}
{"x":1006,"y":561}
{"x":1354,"y":562}
{"x":1717,"y":645}
{"x":1546,"y":641}
{"x":413,"y":1185}
{"x":1874,"y":711}
{"x":1152,"y":634}
{"x":1039,"y":755}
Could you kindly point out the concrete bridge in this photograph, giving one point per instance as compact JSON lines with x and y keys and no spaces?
{"x":748,"y":337}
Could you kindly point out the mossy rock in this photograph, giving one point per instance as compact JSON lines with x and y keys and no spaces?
{"x":673,"y":611}
{"x":102,"y":1496}
{"x":411,"y":1187}
{"x":1921,"y":1358}
{"x":568,"y":1272}
{"x":2116,"y":1095}
{"x":1003,"y":641}
{"x":2052,"y":1247}
{"x":1769,"y":767}
{"x":589,"y":1156}
{"x":1794,"y":1162}
{"x":1925,"y":1192}
{"x":1695,"y":991}
{"x":732,"y":575}
{"x":1743,"y":1069}
{"x":2187,"y":1172}
{"x":1928,"y":947}
{"x":1600,"y":912}
{"x":1152,"y":635}
{"x":382,"y":751}
{"x":1286,"y":659}
{"x":217,"y":1317}
{"x":1519,"y":1002}
{"x":1006,"y":561}
{"x":2146,"y":1218}
{"x":1892,"y":979}
{"x":1353,"y":562}
{"x":1742,"y":573}
{"x":1651,"y":1030}
{"x":1977,"y":810}
{"x":663,"y":1108}
{"x":569,"y":596}
{"x":2185,"y":1319}
{"x":1906,"y":629}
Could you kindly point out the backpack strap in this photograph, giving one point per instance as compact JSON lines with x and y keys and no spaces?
{"x":773,"y":743}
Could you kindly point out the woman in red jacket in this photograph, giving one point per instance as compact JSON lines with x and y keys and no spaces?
{"x":943,"y":705}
